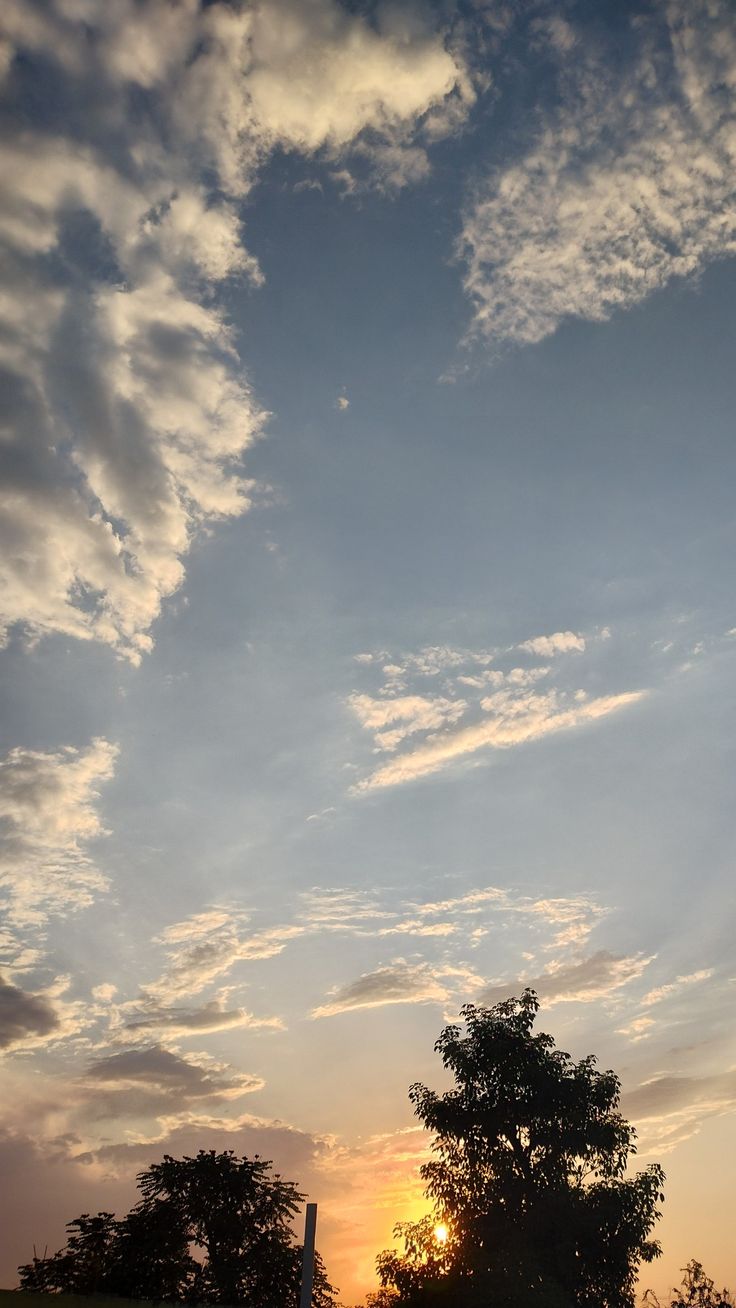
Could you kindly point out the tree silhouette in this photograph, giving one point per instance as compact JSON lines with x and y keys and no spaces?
{"x":211,"y":1229}
{"x":528,"y":1177}
{"x":696,"y":1291}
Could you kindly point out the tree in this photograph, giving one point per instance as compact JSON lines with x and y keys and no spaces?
{"x":696,"y":1291}
{"x":83,"y":1267}
{"x":528,"y":1177}
{"x":231,"y":1212}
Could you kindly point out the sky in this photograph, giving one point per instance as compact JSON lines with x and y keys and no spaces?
{"x":368,"y":632}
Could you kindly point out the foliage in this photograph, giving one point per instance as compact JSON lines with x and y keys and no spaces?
{"x":528,"y":1175}
{"x":696,"y":1291}
{"x":231,"y":1212}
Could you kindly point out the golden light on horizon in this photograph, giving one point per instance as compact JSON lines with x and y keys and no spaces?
{"x":441,"y":1233}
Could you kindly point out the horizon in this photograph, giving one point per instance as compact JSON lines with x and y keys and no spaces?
{"x":366,"y":520}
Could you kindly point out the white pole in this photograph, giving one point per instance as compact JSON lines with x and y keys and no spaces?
{"x":310,"y":1230}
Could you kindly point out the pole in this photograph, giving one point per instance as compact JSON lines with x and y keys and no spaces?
{"x":310,"y":1230}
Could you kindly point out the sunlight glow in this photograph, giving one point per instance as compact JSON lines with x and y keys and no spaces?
{"x":440,"y":1233}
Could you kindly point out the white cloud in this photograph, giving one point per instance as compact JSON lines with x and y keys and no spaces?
{"x":409,"y":713}
{"x":629,"y":185}
{"x":487,"y":703}
{"x":639,"y":1028}
{"x":49,"y":815}
{"x":560,"y":642}
{"x":659,"y":993}
{"x":514,"y":720}
{"x":128,"y":410}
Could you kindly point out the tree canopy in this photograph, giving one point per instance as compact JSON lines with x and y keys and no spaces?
{"x":211,"y":1229}
{"x":528,"y":1176}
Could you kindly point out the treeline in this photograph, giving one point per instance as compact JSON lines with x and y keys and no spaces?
{"x":532,"y":1202}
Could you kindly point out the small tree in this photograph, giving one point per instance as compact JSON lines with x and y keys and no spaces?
{"x":84,"y":1266}
{"x":528,"y":1177}
{"x":696,"y":1291}
{"x":232,"y":1212}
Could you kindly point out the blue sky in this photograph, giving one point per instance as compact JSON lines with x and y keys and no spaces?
{"x":367,"y":521}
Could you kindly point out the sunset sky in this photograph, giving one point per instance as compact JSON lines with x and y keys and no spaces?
{"x":367,"y":540}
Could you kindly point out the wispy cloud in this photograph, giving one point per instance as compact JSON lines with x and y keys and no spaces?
{"x":48,"y":808}
{"x":175,"y":1022}
{"x":205,"y":947}
{"x":581,"y":981}
{"x":398,"y":983}
{"x":629,"y":184}
{"x":480,"y":700}
{"x":513,"y":720}
{"x":670,"y":988}
{"x":671,"y":1108}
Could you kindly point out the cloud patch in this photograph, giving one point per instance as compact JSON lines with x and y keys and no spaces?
{"x":154,"y":1080}
{"x":629,"y":184}
{"x":398,"y":983}
{"x":23,"y":1014}
{"x":167,"y":1023}
{"x":560,"y":642}
{"x":48,"y":810}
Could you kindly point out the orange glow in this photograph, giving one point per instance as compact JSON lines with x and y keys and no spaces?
{"x":440,"y":1233}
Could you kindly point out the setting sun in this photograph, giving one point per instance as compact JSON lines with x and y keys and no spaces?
{"x":440,"y":1233}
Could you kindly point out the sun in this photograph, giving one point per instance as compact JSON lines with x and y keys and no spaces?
{"x":441,"y":1233}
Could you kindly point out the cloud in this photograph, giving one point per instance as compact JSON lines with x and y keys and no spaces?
{"x":127,"y":412}
{"x":399,"y":983}
{"x":639,"y":1028}
{"x":671,"y":1108}
{"x":154,"y":1080}
{"x":578,"y":982}
{"x":514,"y":721}
{"x":565,"y":921}
{"x":560,"y":642}
{"x":659,"y":993}
{"x":486,"y":703}
{"x":213,"y":1016}
{"x":23,"y":1014}
{"x":629,"y":184}
{"x":49,"y":815}
{"x":32,"y":1020}
{"x":404,"y":715}
{"x":206,"y":946}
{"x":293,"y":1150}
